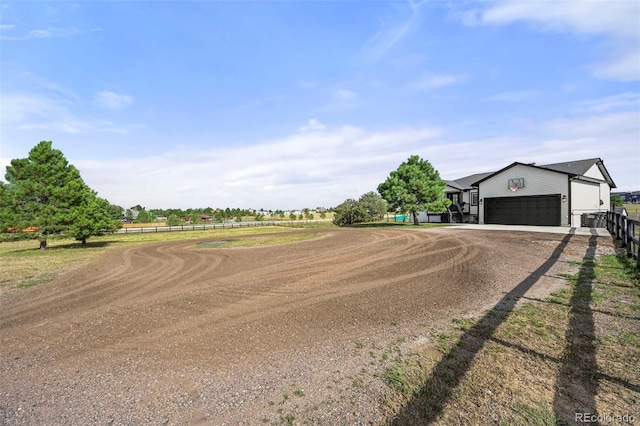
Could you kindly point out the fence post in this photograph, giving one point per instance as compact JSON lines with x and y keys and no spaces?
{"x":638,"y":252}
{"x":628,"y":236}
{"x":620,"y":225}
{"x":637,"y":249}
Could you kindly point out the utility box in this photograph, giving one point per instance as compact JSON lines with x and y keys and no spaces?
{"x":593,"y":220}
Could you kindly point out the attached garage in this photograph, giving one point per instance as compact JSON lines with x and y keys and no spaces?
{"x":550,"y":195}
{"x":543,"y":210}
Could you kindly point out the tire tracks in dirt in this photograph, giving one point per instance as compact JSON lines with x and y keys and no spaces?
{"x":187,"y":300}
{"x":158,"y":318}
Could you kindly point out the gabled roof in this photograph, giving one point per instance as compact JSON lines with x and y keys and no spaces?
{"x":466,"y":182}
{"x":571,"y":168}
{"x":454,"y":184}
{"x":580,"y":167}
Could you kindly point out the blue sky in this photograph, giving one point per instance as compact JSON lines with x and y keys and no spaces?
{"x":286,"y":105}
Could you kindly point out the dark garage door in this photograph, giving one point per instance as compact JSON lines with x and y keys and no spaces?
{"x":533,"y":210}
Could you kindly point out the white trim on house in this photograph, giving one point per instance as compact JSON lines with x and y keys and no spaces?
{"x":537,"y":181}
{"x":583,"y":186}
{"x":469,"y":195}
{"x":573,"y":188}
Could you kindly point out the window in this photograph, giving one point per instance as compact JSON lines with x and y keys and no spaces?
{"x":474,"y":198}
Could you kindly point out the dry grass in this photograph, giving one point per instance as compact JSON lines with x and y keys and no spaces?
{"x":23,"y":265}
{"x":577,"y":351}
{"x":633,"y":210}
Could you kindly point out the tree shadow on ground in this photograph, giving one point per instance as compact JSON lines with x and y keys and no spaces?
{"x":66,"y":246}
{"x":79,"y":245}
{"x":577,"y":382}
{"x":430,"y":401}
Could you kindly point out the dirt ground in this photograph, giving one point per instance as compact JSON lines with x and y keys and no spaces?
{"x":174,"y":334}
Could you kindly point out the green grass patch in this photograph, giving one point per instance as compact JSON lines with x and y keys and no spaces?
{"x":526,"y":414}
{"x":464,"y":323}
{"x":628,"y":338}
{"x":396,"y":377}
{"x":23,"y":265}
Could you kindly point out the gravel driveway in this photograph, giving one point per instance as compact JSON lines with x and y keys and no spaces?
{"x":174,"y":334}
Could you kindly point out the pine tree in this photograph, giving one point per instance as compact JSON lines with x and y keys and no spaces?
{"x":415,"y":186}
{"x":44,"y":191}
{"x":91,"y":217}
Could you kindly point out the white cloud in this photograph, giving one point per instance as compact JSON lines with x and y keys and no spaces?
{"x":312,"y":125}
{"x":42,"y":33}
{"x":305,"y":169}
{"x":322,"y":165}
{"x":345,"y":94}
{"x":625,"y":67}
{"x":39,"y":34}
{"x":340,"y":99}
{"x":617,"y":20}
{"x":513,"y":96}
{"x":49,"y":88}
{"x":29,"y":111}
{"x":584,"y":17}
{"x":112,"y":100}
{"x":392,"y":29}
{"x":627,"y":100}
{"x":434,"y":81}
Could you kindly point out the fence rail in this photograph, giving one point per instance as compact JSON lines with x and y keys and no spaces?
{"x":626,"y":230}
{"x":203,"y":227}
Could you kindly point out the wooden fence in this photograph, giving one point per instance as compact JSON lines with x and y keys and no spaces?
{"x":627,"y":231}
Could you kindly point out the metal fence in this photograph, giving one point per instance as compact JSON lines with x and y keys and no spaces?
{"x":627,"y":231}
{"x":225,"y":225}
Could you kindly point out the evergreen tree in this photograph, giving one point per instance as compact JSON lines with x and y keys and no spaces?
{"x":173,"y":220}
{"x":415,"y":186}
{"x":349,"y":213}
{"x":374,"y":206}
{"x":46,"y":192}
{"x":115,"y":212}
{"x":91,"y":217}
{"x":145,"y":217}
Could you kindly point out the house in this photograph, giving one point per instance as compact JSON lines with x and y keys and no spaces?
{"x":553,"y":194}
{"x":464,"y":197}
{"x":631,"y":197}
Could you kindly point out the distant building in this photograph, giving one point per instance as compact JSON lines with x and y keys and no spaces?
{"x":631,"y":197}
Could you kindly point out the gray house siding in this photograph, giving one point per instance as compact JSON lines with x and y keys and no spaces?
{"x":537,"y":182}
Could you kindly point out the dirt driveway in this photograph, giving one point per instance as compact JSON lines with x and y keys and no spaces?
{"x":174,"y":334}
